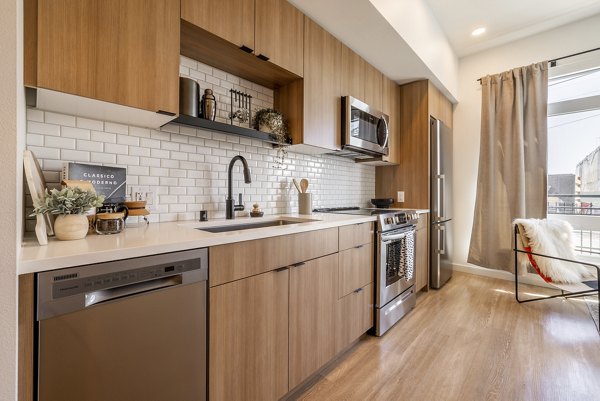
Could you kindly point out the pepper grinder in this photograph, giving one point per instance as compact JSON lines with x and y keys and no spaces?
{"x":209,"y":105}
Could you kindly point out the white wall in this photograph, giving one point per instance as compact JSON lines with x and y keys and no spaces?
{"x":562,"y":41}
{"x":11,"y":132}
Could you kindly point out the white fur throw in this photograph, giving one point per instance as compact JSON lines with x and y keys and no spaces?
{"x":552,"y":238}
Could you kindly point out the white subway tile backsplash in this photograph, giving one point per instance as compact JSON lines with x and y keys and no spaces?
{"x":61,"y":143}
{"x":90,"y":124}
{"x":103,"y":158}
{"x":77,"y":133}
{"x":59,"y":119}
{"x":104,"y":137}
{"x":34,"y":127}
{"x":187,"y":167}
{"x":74,"y":155}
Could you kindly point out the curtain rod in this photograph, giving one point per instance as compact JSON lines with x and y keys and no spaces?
{"x":553,"y":62}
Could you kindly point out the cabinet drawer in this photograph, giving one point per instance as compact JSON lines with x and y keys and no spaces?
{"x":355,"y":234}
{"x":354,"y":316}
{"x":243,"y":259}
{"x":355,"y":268}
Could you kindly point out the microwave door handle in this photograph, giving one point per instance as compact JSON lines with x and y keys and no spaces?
{"x":387,"y":132}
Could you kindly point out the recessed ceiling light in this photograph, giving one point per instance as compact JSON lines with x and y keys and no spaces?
{"x":478,"y":31}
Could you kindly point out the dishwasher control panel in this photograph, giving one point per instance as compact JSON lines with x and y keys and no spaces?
{"x":66,"y":286}
{"x":70,"y":289}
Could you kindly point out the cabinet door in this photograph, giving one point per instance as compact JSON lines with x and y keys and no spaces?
{"x":312,"y":316}
{"x":353,"y":72}
{"x":232,"y":20}
{"x":248,"y":343}
{"x":356,"y":268}
{"x":422,"y":252}
{"x":391,"y":107}
{"x":279,"y":34}
{"x":322,"y":102}
{"x":354,"y":316}
{"x":124,"y":52}
{"x":373,"y":87}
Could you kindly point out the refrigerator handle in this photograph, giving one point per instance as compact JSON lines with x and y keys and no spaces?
{"x":441,"y":209}
{"x":441,"y":234}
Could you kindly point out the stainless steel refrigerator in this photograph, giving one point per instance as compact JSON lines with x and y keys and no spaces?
{"x":441,"y":203}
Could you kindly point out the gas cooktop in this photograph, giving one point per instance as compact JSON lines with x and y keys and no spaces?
{"x":387,"y":219}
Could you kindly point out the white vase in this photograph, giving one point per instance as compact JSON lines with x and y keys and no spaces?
{"x":71,"y":226}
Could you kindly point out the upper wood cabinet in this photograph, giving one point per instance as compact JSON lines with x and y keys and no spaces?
{"x":373,"y":87}
{"x":271,"y":29}
{"x":353,"y":74}
{"x":279,"y":34}
{"x":313,"y":105}
{"x":391,"y":107}
{"x":123,"y":52}
{"x":232,"y":20}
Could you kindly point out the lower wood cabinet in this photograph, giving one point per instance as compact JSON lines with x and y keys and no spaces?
{"x":248,"y":338}
{"x":422,"y":253}
{"x":312,"y":316}
{"x":270,"y":326}
{"x":354,"y":316}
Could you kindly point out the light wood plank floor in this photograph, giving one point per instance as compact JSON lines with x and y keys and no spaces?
{"x":472,"y":341}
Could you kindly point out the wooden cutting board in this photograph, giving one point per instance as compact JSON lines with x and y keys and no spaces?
{"x":37,"y":186}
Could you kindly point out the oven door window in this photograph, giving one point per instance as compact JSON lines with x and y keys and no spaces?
{"x":399,"y":263}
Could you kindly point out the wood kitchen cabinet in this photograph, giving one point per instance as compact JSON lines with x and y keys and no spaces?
{"x":232,"y":20}
{"x":356,"y":268}
{"x":422,"y":253}
{"x":391,"y":107}
{"x":270,"y":29}
{"x":352,"y":74}
{"x":122,"y":52}
{"x":279,"y":34}
{"x":373,"y":87}
{"x":354,"y":316}
{"x":248,"y":341}
{"x":313,"y":105}
{"x":312,"y":316}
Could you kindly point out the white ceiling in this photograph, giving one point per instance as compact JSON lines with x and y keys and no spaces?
{"x":505,"y":20}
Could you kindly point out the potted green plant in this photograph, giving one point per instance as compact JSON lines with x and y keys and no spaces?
{"x":69,"y":204}
{"x":271,"y":121}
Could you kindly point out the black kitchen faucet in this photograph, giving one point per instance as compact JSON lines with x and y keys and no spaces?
{"x":230,"y":206}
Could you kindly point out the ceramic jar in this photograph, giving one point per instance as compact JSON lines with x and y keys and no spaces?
{"x":71,"y":226}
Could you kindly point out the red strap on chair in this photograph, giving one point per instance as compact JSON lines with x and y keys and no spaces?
{"x":535,"y":266}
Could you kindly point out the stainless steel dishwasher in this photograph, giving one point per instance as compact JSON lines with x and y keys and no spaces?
{"x":128,"y":330}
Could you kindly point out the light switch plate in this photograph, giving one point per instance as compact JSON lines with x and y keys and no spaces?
{"x":400,"y":196}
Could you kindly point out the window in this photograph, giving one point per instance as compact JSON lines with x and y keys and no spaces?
{"x":574,"y":149}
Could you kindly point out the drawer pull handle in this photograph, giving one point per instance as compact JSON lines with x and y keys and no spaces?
{"x":358,"y":290}
{"x":263,"y":57}
{"x":281,"y":269}
{"x":359,"y":246}
{"x":298,"y":264}
{"x":246,"y":49}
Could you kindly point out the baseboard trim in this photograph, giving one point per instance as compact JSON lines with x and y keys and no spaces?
{"x":532,"y":279}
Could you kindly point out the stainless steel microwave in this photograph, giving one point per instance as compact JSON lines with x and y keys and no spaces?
{"x":364,"y":129}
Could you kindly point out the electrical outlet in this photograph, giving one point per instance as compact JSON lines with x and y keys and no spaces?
{"x":400,"y":196}
{"x":138,"y":192}
{"x":151,"y":196}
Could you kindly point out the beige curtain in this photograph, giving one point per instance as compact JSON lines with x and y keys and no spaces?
{"x":512,"y":178}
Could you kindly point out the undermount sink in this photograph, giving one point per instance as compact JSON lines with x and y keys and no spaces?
{"x":249,"y":226}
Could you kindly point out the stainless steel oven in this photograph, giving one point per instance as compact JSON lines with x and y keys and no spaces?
{"x":395,"y":275}
{"x":364,"y":129}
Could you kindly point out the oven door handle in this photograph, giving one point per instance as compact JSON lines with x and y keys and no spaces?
{"x":385,"y":238}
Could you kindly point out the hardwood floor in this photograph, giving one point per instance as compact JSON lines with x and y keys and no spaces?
{"x":472,"y":341}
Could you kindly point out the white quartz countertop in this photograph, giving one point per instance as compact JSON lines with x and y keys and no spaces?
{"x":156,"y":238}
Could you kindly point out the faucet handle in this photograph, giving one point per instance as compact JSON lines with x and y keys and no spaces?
{"x":240,"y":205}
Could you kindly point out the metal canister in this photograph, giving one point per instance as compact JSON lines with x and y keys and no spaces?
{"x":209,"y":105}
{"x":189,"y":92}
